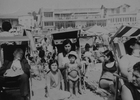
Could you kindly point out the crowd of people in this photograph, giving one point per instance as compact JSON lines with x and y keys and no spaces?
{"x":63,"y":71}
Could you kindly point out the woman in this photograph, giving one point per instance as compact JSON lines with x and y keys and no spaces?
{"x":127,"y":62}
{"x":63,"y":58}
{"x":108,"y":68}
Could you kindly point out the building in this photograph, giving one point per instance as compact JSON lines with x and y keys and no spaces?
{"x":13,"y":19}
{"x":120,"y":16}
{"x":56,"y":19}
{"x":27,"y":21}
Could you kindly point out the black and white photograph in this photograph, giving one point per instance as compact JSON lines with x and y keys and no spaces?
{"x":69,"y":49}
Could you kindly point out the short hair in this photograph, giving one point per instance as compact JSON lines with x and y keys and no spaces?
{"x":109,"y":53}
{"x":87,"y":46}
{"x":6,"y":26}
{"x":136,"y":67}
{"x":130,"y":42}
{"x":51,"y":62}
{"x":18,"y":50}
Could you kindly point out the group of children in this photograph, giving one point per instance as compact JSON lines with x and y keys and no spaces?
{"x":55,"y":81}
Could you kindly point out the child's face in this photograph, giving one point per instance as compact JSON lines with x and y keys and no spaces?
{"x":54,"y":67}
{"x":72,"y":59}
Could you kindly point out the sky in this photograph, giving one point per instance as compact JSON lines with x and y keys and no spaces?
{"x":13,"y":6}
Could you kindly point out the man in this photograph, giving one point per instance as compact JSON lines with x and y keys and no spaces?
{"x":131,"y":91}
{"x":18,"y":70}
{"x":127,"y":62}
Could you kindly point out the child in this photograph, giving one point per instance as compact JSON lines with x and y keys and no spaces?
{"x":73,"y":73}
{"x":54,"y":81}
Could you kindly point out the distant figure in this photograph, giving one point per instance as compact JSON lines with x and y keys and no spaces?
{"x":6,"y":26}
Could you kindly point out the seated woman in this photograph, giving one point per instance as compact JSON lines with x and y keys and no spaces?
{"x":131,"y":90}
{"x":108,"y":68}
{"x":17,"y":70}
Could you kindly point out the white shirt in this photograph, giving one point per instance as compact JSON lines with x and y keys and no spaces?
{"x":15,"y":69}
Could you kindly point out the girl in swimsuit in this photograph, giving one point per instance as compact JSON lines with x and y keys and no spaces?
{"x":73,"y":73}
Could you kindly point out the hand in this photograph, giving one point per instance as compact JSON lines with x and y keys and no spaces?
{"x":14,"y":68}
{"x":129,"y":78}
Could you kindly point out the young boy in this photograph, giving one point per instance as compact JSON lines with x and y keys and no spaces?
{"x":73,"y":73}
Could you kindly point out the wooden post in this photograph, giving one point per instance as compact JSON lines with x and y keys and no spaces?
{"x":117,"y":79}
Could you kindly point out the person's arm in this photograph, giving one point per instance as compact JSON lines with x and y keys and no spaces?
{"x":47,"y":78}
{"x":27,"y":67}
{"x":126,"y":93}
{"x":4,"y":67}
{"x":61,"y":80}
{"x":123,"y":65}
{"x":60,"y":60}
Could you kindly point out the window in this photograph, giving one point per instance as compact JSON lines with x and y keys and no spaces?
{"x":120,"y":19}
{"x":48,"y":14}
{"x":124,"y":9}
{"x":112,"y":10}
{"x":130,"y":19}
{"x":118,"y":11}
{"x":48,"y":23}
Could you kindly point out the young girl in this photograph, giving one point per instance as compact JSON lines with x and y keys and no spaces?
{"x":73,"y":73}
{"x":54,"y":81}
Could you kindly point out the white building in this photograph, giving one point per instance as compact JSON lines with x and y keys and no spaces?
{"x":27,"y":21}
{"x":53,"y":19}
{"x":120,"y":16}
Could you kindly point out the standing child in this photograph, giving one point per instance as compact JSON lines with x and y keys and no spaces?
{"x":73,"y":73}
{"x":54,"y":82}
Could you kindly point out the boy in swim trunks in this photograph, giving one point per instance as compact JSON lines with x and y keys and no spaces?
{"x":73,"y":73}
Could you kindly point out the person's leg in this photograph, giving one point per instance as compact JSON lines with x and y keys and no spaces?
{"x":24,"y":84}
{"x":76,"y":87}
{"x":63,"y":72}
{"x":107,"y":84}
{"x":71,"y":87}
{"x":1,"y":82}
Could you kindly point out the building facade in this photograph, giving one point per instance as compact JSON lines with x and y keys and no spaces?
{"x":57,"y":19}
{"x":12,"y":19}
{"x":27,"y":21}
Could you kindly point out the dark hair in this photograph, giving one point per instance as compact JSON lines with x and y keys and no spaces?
{"x":70,"y":55}
{"x":41,"y":53}
{"x":130,"y":42}
{"x":51,"y":62}
{"x":6,"y":26}
{"x":87,"y":46}
{"x":136,"y":67}
{"x":65,"y":42}
{"x":109,"y":53}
